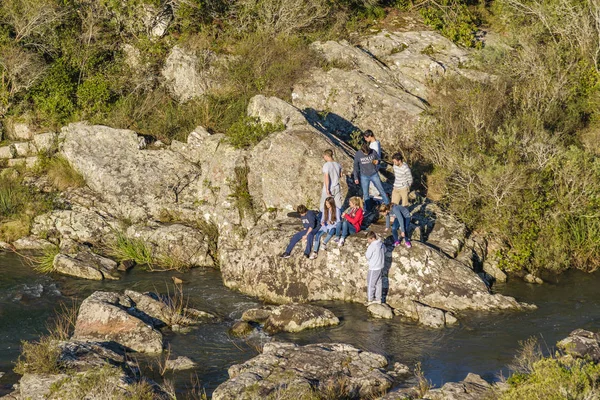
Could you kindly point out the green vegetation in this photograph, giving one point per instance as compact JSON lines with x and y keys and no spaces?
{"x":41,"y":357}
{"x":554,"y":378}
{"x":125,"y":248}
{"x":512,"y":156}
{"x":59,"y":172}
{"x":19,"y":204}
{"x":45,"y":262}
{"x":249,"y":131}
{"x":240,"y":192}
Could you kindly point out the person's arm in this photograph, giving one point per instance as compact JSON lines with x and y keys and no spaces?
{"x":410,"y":177}
{"x":354,"y":218}
{"x":312,"y":220}
{"x":338,"y":214}
{"x":369,"y":252}
{"x":323,"y":216}
{"x":326,"y":183}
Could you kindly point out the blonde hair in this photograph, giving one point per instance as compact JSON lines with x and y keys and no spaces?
{"x":358,"y":201}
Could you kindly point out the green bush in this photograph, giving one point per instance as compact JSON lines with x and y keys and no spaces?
{"x":248,"y":131}
{"x":42,"y":357}
{"x":55,"y":96}
{"x":454,"y":20}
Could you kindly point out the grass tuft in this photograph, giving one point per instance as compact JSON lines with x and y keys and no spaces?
{"x":125,"y":248}
{"x":41,"y":357}
{"x":45,"y":262}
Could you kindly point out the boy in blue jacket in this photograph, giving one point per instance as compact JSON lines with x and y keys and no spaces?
{"x":309,"y":222}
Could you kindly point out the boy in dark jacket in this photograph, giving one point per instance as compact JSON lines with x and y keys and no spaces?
{"x":366,"y":162}
{"x":309,"y":222}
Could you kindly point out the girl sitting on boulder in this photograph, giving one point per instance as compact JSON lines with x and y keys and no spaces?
{"x":329,"y":221}
{"x":352,"y":219}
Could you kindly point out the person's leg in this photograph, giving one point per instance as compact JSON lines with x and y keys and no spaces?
{"x":322,"y":200}
{"x":378,"y":285}
{"x":330,"y":234}
{"x":351,"y":229}
{"x":364,"y":184}
{"x":345,"y":225}
{"x":370,"y":286}
{"x":317,"y":242}
{"x":336,"y":192}
{"x":404,"y":195}
{"x":395,"y":227}
{"x":377,"y":182}
{"x":295,"y":239}
{"x":396,"y":196}
{"x":309,"y":242}
{"x":338,"y":229}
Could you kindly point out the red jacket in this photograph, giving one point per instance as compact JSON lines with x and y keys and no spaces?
{"x":355,"y":218}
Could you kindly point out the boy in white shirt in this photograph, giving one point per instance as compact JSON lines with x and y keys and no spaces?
{"x":376,"y":258}
{"x":402,"y":180}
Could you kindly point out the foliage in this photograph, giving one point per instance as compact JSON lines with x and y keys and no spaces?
{"x":211,"y":236}
{"x":240,"y":191}
{"x":125,"y":248}
{"x":248,"y":131}
{"x":453,"y":19}
{"x":60,"y":172}
{"x":45,"y":262}
{"x":552,"y":378}
{"x":42,"y":357}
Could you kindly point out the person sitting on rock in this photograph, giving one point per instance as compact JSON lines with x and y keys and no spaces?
{"x":351,"y":221}
{"x":366,"y":161}
{"x":329,"y":220}
{"x":400,"y":218}
{"x":376,"y":258}
{"x":331,"y":181}
{"x":309,"y":222}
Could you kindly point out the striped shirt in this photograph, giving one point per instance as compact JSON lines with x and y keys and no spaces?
{"x":402,"y":176}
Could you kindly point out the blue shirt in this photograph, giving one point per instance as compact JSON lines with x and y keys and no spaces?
{"x":309,"y":220}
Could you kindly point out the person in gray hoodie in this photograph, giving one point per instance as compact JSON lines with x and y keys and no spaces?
{"x":376,"y":258}
{"x":366,"y":162}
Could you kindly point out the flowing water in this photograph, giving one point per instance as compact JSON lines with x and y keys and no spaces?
{"x":482,"y":343}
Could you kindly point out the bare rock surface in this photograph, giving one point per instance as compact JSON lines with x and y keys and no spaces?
{"x":305,"y":368}
{"x":473,"y":387}
{"x":86,"y":265}
{"x":291,"y":317}
{"x":582,"y":344}
{"x":104,"y":316}
{"x":381,"y":311}
{"x":180,"y":363}
{"x":189,"y":75}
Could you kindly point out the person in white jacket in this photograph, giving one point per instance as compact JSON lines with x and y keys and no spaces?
{"x":376,"y":258}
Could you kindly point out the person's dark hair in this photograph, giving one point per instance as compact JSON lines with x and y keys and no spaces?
{"x":368,"y":133}
{"x":328,"y":153}
{"x":330,"y":213}
{"x":365,"y":148}
{"x":301,"y":209}
{"x":371,"y":235}
{"x":398,"y":157}
{"x":384,"y":208}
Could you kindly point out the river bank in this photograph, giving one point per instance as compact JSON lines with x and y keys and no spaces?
{"x":482,"y":343}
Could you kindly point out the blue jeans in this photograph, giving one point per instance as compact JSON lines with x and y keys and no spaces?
{"x":320,"y":233}
{"x":403,"y":225}
{"x":345,"y":229}
{"x":298,"y":237}
{"x":364,"y":184}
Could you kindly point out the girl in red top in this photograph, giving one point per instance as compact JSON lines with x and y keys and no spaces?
{"x":352,"y":219}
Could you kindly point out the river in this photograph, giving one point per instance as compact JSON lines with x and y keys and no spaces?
{"x":482,"y":343}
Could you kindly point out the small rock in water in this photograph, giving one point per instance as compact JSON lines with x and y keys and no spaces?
{"x":126,"y":265}
{"x":530,"y":278}
{"x":400,"y":371}
{"x":258,"y":315}
{"x":180,"y":363}
{"x":298,"y":317}
{"x":241,"y":328}
{"x":450,"y":319}
{"x":381,"y":311}
{"x":1,"y":374}
{"x":176,"y":280}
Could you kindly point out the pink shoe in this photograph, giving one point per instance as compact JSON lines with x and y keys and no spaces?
{"x":396,"y":243}
{"x":407,"y":243}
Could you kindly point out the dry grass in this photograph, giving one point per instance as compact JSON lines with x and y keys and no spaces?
{"x":61,"y":174}
{"x":41,"y":357}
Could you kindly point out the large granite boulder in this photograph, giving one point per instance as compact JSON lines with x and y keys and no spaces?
{"x":188,"y":74}
{"x":582,"y":344}
{"x":335,"y":367}
{"x":86,"y":265}
{"x":291,"y":317}
{"x":385,"y":83}
{"x":416,"y":277}
{"x":105,"y":316}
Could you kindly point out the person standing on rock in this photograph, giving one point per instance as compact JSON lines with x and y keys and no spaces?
{"x":400,"y":217}
{"x":366,"y":161}
{"x":352,"y":219}
{"x":376,"y":259}
{"x":402,"y":180}
{"x":329,"y":221}
{"x":309,"y":222}
{"x":331,"y":181}
{"x":374,"y":144}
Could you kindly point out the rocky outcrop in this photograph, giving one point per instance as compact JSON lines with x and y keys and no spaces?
{"x":383,"y":84}
{"x":189,"y":75}
{"x":336,"y":367}
{"x":180,"y":363}
{"x":419,"y":278}
{"x":87,"y":370}
{"x":582,"y":344}
{"x":291,"y":317}
{"x":104,"y":316}
{"x":273,"y":110}
{"x":473,"y":387}
{"x":86,"y":265}
{"x":381,"y":311}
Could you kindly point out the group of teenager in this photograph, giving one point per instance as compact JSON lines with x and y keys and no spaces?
{"x":338,"y":225}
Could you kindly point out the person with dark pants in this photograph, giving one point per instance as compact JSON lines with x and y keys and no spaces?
{"x":309,"y":222}
{"x":366,"y":161}
{"x":401,"y":219}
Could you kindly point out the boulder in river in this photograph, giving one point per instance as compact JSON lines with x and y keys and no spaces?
{"x":294,"y":318}
{"x":473,"y":387}
{"x":180,"y":363}
{"x":86,"y":265}
{"x":104,"y":316}
{"x":581,"y":344}
{"x":381,"y":311}
{"x":241,"y":328}
{"x":333,"y":367}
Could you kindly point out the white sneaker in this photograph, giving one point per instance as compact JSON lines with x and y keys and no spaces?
{"x":341,"y":242}
{"x":313,"y":256}
{"x":324,"y":246}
